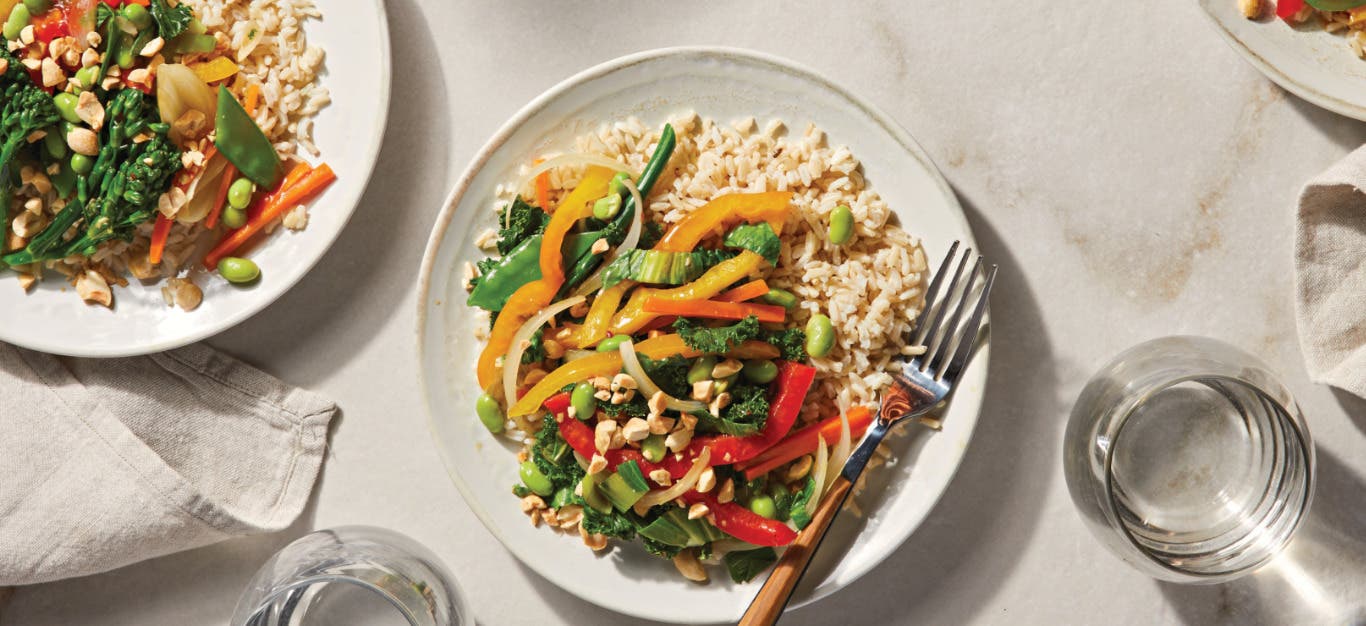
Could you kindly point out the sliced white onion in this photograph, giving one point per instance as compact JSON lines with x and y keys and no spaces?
{"x":512,"y":362}
{"x":568,"y":160}
{"x":684,"y":485}
{"x":818,"y":474}
{"x":631,"y":363}
{"x":629,"y":243}
{"x":841,"y":451}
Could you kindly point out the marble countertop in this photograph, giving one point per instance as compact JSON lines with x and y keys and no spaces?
{"x":1131,"y":174}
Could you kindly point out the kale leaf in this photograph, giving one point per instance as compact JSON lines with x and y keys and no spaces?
{"x":553,"y":456}
{"x":719,"y":339}
{"x":790,"y":342}
{"x":536,"y":351}
{"x":744,"y":416}
{"x":660,"y":549}
{"x":745,"y":565}
{"x":522,"y":220}
{"x":670,"y":374}
{"x":171,"y":21}
{"x":611,"y":523}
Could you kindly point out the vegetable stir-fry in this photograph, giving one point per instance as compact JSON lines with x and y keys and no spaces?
{"x":653,"y":373}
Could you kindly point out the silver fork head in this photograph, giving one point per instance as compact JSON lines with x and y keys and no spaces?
{"x":949,"y":340}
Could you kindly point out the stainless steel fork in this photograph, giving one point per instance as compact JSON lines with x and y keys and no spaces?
{"x":924,"y":382}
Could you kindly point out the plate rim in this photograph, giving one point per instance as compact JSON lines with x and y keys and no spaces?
{"x":443,"y":222}
{"x":371,"y":154}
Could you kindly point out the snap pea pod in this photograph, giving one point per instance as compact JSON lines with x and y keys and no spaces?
{"x":1335,"y":5}
{"x":663,"y":151}
{"x":520,"y":266}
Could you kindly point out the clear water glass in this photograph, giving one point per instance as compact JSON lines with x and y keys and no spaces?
{"x":352,"y":575}
{"x":1188,"y":459}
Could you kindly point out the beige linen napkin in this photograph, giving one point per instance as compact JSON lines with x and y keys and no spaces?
{"x":1330,"y":275}
{"x":109,"y":462}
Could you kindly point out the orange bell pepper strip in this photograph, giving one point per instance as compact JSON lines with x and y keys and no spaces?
{"x":747,"y":291}
{"x":715,"y":216}
{"x":599,"y":316}
{"x":609,"y":363}
{"x":577,"y":205}
{"x":804,"y":441}
{"x":527,"y":301}
{"x":715,"y":309}
{"x":633,"y":316}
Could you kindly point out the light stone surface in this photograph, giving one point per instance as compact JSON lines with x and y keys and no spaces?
{"x":1131,"y":174}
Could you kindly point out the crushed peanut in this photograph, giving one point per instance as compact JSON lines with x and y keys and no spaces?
{"x":636,"y":429}
{"x":722,"y":401}
{"x":660,"y":425}
{"x":83,"y":141}
{"x":662,"y":477}
{"x":92,"y":287}
{"x":623,"y":381}
{"x":532,"y":502}
{"x":799,"y":468}
{"x":89,"y":109}
{"x":600,"y":246}
{"x":596,"y":541}
{"x":702,"y":390}
{"x":152,"y":48}
{"x":52,"y":74}
{"x":698,"y":511}
{"x":657,"y":403}
{"x":602,"y":435}
{"x":707,"y":481}
{"x":726,"y":369}
{"x":687,"y":564}
{"x":597,"y":464}
{"x":727,"y":491}
{"x":678,"y":440}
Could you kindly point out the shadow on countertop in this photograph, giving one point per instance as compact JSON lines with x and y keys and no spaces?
{"x":1316,"y":580}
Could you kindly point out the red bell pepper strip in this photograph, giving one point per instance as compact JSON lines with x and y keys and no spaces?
{"x":51,"y":25}
{"x":1286,"y":9}
{"x":742,"y":523}
{"x":804,"y":441}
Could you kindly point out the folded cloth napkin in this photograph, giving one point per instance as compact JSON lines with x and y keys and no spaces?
{"x":1330,"y":275}
{"x":109,"y":462}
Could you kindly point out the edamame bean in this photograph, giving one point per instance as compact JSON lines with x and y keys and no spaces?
{"x":239,"y":194}
{"x":37,"y":7}
{"x":760,"y":372}
{"x":86,"y":76}
{"x":585,"y":405}
{"x":233,"y":217}
{"x":616,"y":187}
{"x":490,"y":413}
{"x":82,"y":164}
{"x":607,"y":206}
{"x":138,"y":15}
{"x":237,"y":270}
{"x":535,"y":480}
{"x":841,"y":225}
{"x":820,"y":335}
{"x":66,"y":107}
{"x":762,"y":506}
{"x":128,"y":46}
{"x":780,"y":297}
{"x":18,"y":19}
{"x":701,"y":369}
{"x":54,"y":144}
{"x":611,"y":344}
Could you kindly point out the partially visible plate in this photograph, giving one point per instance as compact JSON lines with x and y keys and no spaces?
{"x":723,"y":84}
{"x":1306,"y":60}
{"x":355,"y":38}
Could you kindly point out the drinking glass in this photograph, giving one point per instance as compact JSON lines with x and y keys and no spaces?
{"x":1188,"y":459}
{"x":352,"y":575}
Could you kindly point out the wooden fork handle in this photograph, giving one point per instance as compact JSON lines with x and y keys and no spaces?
{"x":768,"y":605}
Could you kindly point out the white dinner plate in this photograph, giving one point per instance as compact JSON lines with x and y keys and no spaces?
{"x":723,"y":84}
{"x":1305,"y":60}
{"x":52,"y":318}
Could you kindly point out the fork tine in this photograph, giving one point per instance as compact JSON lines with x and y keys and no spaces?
{"x":948,"y":344}
{"x":967,"y":342}
{"x":935,"y":346}
{"x":918,"y":333}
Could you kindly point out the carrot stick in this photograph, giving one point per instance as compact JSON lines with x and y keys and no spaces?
{"x":160,"y":232}
{"x":747,"y":291}
{"x":804,"y":441}
{"x":714,"y":309}
{"x":287,"y":198}
{"x":543,"y":189}
{"x":229,"y":172}
{"x":253,"y":97}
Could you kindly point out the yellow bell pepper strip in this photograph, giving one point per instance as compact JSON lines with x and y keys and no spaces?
{"x":599,"y":317}
{"x":530,"y":298}
{"x":220,"y":68}
{"x":723,"y":212}
{"x":577,"y":205}
{"x":609,"y":363}
{"x":633,"y":316}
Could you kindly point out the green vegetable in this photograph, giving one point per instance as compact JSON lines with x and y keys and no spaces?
{"x":54,"y":144}
{"x":535,"y":480}
{"x":744,"y":565}
{"x":554,"y":458}
{"x":744,"y":416}
{"x":113,"y":36}
{"x":517,"y":222}
{"x":563,"y":496}
{"x":1335,"y":5}
{"x":241,"y":140}
{"x":609,"y":523}
{"x":607,"y":206}
{"x":652,"y":448}
{"x":611,"y":344}
{"x":172,"y":21}
{"x":24,"y":109}
{"x":624,"y":487}
{"x":64,"y":181}
{"x":535,"y":351}
{"x":81,"y":164}
{"x":490,"y":413}
{"x":38,"y":7}
{"x":719,"y":339}
{"x":585,"y":405}
{"x":87,"y":76}
{"x":797,"y":508}
{"x":190,"y":43}
{"x":520,"y":490}
{"x":670,"y":374}
{"x":841,"y":225}
{"x":129,"y":47}
{"x":238,"y":270}
{"x":820,"y":335}
{"x":790,"y":342}
{"x":500,"y":278}
{"x":701,"y":369}
{"x":138,"y":15}
{"x":19,"y":17}
{"x":658,"y":267}
{"x":760,"y":372}
{"x":617,"y":185}
{"x":762,"y":505}
{"x":673,"y":528}
{"x":233,"y":217}
{"x":66,"y":107}
{"x":592,"y":496}
{"x":239,"y":193}
{"x":757,"y":238}
{"x":780,"y":297}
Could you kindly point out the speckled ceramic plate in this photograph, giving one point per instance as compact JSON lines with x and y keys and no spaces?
{"x":348,"y":133}
{"x":725,"y":85}
{"x":1305,"y":60}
